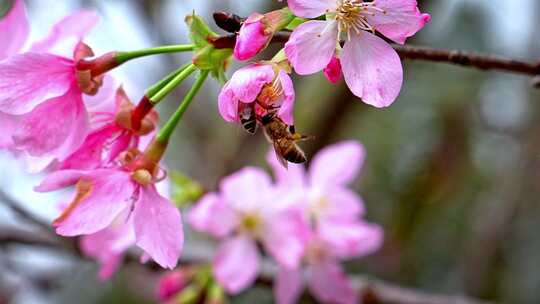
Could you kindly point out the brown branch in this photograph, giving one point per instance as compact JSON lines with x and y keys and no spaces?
{"x":408,"y":52}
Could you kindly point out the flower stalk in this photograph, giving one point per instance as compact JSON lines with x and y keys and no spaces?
{"x":171,"y":85}
{"x":165,"y":133}
{"x":122,"y":57}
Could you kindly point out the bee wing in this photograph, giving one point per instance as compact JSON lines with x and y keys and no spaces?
{"x":267,"y":135}
{"x":279,"y":156}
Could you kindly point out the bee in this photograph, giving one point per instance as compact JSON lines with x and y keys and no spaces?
{"x":248,"y":119}
{"x":283,"y":137}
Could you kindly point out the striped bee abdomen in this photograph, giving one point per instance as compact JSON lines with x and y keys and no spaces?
{"x":294,"y":155}
{"x":249,"y":124}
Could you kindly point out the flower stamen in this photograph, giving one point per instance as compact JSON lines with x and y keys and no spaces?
{"x":351,"y":16}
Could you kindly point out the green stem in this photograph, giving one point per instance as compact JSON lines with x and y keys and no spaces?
{"x":159,"y":85}
{"x":122,"y":57}
{"x":172,"y":84}
{"x":165,"y":133}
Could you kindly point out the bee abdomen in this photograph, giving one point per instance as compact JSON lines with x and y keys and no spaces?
{"x":294,"y":155}
{"x":250,"y":125}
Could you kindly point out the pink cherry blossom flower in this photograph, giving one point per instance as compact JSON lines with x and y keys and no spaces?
{"x":248,"y":209}
{"x":124,"y":197}
{"x":265,"y":85}
{"x":323,"y":192}
{"x":338,"y":232}
{"x":40,"y":93}
{"x":371,"y":67}
{"x":322,"y":274}
{"x":108,"y":246}
{"x":112,"y":133}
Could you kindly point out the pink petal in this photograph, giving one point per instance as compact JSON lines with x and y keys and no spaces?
{"x":57,"y":127}
{"x":108,"y":245}
{"x":285,"y":236}
{"x":349,"y":239}
{"x":343,"y":204}
{"x":110,"y":194}
{"x":311,"y":8}
{"x":158,"y":227}
{"x":64,"y":35}
{"x":292,"y":177}
{"x":251,"y":38}
{"x":14,"y":29}
{"x":247,"y":189}
{"x":90,"y":154}
{"x":329,"y":284}
{"x":244,"y":86}
{"x":236,"y":264}
{"x":286,"y":111}
{"x":103,"y":105}
{"x":332,"y":71}
{"x":338,"y":164}
{"x":59,"y":179}
{"x":311,"y":46}
{"x":247,"y":82}
{"x":287,"y":286}
{"x":212,"y":215}
{"x":8,"y":125}
{"x":401,"y":19}
{"x":228,"y":104}
{"x":372,"y":69}
{"x":28,"y":80}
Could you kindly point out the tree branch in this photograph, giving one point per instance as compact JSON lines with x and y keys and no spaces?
{"x":230,"y":22}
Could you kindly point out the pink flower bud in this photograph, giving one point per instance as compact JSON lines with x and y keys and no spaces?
{"x":171,"y":284}
{"x":257,"y":31}
{"x":252,"y":38}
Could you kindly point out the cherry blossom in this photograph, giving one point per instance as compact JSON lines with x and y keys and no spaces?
{"x":371,"y":67}
{"x":41,"y":101}
{"x":265,"y":84}
{"x":337,"y":233}
{"x":249,"y":209}
{"x":123,"y":200}
{"x":112,"y":133}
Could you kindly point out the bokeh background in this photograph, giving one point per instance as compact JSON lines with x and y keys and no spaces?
{"x":452,"y":172}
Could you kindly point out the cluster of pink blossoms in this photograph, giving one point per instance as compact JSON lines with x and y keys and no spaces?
{"x":63,"y":115}
{"x":344,"y":43}
{"x":307,"y":221}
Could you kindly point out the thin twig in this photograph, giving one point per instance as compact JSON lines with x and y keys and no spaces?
{"x":457,"y":57}
{"x":8,"y":201}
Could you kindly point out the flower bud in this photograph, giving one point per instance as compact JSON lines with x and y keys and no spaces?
{"x":257,"y":32}
{"x":171,"y":284}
